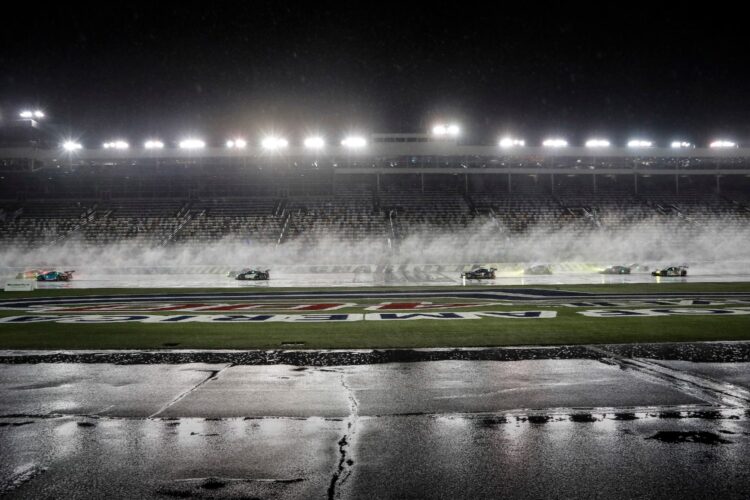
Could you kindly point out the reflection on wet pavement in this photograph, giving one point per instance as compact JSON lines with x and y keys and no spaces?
{"x":479,"y":429}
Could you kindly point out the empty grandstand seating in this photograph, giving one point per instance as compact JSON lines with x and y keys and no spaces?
{"x":359,"y":215}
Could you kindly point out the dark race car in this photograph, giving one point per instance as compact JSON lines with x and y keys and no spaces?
{"x":616,"y":270}
{"x":671,"y":271}
{"x":482,"y":273}
{"x":55,"y":276}
{"x":253,"y":275}
{"x":538,"y":269}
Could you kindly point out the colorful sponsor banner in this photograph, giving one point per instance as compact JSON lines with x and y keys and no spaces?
{"x":660,"y":302}
{"x":270,"y":318}
{"x":204,"y":307}
{"x":649,"y":313}
{"x":189,"y":307}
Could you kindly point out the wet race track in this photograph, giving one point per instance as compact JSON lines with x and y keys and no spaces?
{"x":648,"y":420}
{"x":573,"y":423}
{"x":366,"y":276}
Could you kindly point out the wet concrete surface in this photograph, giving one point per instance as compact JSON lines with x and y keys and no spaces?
{"x":441,"y":429}
{"x":733,"y":373}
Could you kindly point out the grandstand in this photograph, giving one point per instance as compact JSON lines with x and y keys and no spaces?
{"x":387,"y":193}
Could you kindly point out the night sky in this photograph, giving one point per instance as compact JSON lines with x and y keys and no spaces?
{"x":222,"y":68}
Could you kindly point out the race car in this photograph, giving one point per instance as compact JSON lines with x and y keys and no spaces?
{"x":480,"y":274}
{"x":55,"y":276}
{"x":671,"y":271}
{"x":253,"y":275}
{"x":538,"y":269}
{"x":616,"y":270}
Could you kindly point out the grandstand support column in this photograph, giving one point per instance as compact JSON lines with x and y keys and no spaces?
{"x":509,"y":184}
{"x":718,"y":184}
{"x":377,"y":183}
{"x":552,"y":183}
{"x":421,"y":182}
{"x":593,"y":178}
{"x":635,"y":182}
{"x":676,"y":183}
{"x":466,"y":183}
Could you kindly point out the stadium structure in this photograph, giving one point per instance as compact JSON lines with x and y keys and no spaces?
{"x":385,"y":186}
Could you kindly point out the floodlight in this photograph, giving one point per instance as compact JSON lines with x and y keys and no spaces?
{"x":153,"y":144}
{"x":192,"y":144}
{"x":442,"y":130}
{"x":38,"y":114}
{"x":119,"y":144}
{"x":723,"y":144}
{"x":71,"y":146}
{"x":509,"y":142}
{"x":315,"y":143}
{"x":597,"y":143}
{"x":272,"y":143}
{"x":680,"y":144}
{"x":555,"y":143}
{"x":354,"y":142}
{"x":639,"y":143}
{"x":26,"y":114}
{"x":237,"y":143}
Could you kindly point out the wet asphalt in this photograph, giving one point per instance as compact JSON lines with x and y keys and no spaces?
{"x":599,"y":425}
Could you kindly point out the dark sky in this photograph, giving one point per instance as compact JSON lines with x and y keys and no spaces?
{"x":224,"y":67}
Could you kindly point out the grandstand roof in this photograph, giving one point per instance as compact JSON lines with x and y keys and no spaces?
{"x":373,"y":150}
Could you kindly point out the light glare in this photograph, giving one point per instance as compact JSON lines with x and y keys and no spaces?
{"x":680,"y":144}
{"x":354,"y":142}
{"x":597,"y":143}
{"x":274,"y":143}
{"x":192,"y":144}
{"x":555,"y":143}
{"x":153,"y":144}
{"x":723,"y":144}
{"x":509,"y":142}
{"x":639,"y":143}
{"x":442,"y":130}
{"x":315,"y":143}
{"x":238,"y":143}
{"x":71,"y":146}
{"x":119,"y":144}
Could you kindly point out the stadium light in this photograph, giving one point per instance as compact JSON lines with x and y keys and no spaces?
{"x":238,"y":143}
{"x":639,"y":143}
{"x":555,"y":143}
{"x":272,"y":143}
{"x":116,"y":145}
{"x":354,"y":142}
{"x":597,"y":143}
{"x":192,"y":144}
{"x":28,"y":114}
{"x":509,"y":142}
{"x":443,"y":130}
{"x":71,"y":146}
{"x":315,"y":143}
{"x":153,"y":144}
{"x":680,"y":144}
{"x":722,"y":144}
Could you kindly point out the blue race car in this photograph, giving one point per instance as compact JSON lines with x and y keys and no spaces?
{"x":55,"y":276}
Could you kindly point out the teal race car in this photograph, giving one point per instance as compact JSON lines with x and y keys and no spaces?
{"x":55,"y":276}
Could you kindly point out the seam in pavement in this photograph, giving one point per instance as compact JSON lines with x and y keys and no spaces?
{"x":715,"y":392}
{"x":213,"y":374}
